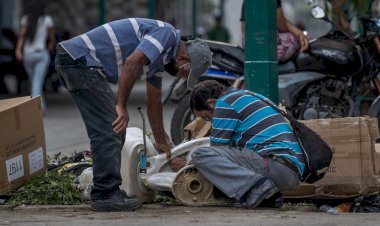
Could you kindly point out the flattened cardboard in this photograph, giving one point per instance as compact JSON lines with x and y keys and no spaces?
{"x":22,"y":143}
{"x":355,"y":166}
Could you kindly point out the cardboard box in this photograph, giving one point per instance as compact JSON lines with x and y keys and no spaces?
{"x":355,"y":167}
{"x":22,"y":142}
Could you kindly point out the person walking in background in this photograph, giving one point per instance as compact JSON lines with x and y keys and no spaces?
{"x":36,"y":29}
{"x":218,"y":32}
{"x":290,"y":38}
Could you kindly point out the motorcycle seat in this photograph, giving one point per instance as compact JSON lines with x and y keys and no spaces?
{"x":287,"y":67}
{"x":227,"y":57}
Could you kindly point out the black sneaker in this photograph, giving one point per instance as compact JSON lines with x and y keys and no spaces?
{"x":276,"y":201}
{"x":118,"y":201}
{"x":264,"y":190}
{"x":127,"y":196}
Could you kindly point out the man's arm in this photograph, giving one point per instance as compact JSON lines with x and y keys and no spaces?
{"x":283,"y":25}
{"x":131,"y":69}
{"x":154,"y":109}
{"x":301,"y":36}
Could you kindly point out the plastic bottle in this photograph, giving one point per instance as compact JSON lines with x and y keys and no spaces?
{"x":85,"y":179}
{"x":344,"y":207}
{"x":327,"y":209}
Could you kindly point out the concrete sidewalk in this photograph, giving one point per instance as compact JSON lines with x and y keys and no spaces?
{"x":157,"y":214}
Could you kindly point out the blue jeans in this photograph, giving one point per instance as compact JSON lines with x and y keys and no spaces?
{"x":96,"y":103}
{"x":36,"y":64}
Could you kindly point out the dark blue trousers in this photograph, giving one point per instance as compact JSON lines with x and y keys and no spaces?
{"x":96,"y":103}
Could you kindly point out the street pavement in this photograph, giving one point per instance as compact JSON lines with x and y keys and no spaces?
{"x":167,"y":215}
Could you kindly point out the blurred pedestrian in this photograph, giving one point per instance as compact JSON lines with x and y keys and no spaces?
{"x":290,"y":38}
{"x":35,"y":31}
{"x":218,"y":32}
{"x":124,"y":50}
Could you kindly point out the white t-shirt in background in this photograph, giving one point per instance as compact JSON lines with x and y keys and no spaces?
{"x":41,"y":35}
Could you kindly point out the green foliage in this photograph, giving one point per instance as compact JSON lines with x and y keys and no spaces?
{"x":48,"y":189}
{"x":360,"y":6}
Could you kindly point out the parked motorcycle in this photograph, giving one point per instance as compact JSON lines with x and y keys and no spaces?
{"x":337,"y":77}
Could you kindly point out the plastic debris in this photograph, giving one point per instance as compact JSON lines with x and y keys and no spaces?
{"x":367,"y":204}
{"x":341,"y":208}
{"x":83,"y":183}
{"x":58,"y":160}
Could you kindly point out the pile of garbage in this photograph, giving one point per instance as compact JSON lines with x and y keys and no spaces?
{"x":56,"y":186}
{"x":361,"y":204}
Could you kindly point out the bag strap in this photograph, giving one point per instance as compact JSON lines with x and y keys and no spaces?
{"x":283,"y":113}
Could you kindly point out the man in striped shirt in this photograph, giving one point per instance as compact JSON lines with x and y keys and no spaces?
{"x":124,"y":50}
{"x":254,"y":153}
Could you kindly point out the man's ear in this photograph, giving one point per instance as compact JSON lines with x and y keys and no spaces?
{"x":211,"y":102}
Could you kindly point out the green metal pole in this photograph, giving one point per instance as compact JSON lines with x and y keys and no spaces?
{"x":194,"y":18}
{"x":260,"y":66}
{"x":102,"y":12}
{"x":151,"y":9}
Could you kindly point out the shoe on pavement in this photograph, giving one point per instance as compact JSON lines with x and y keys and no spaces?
{"x":118,"y":201}
{"x":276,"y":201}
{"x":128,"y":196}
{"x":264,"y":189}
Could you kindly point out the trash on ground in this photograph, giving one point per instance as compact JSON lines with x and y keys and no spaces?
{"x":341,"y":208}
{"x":56,"y":186}
{"x":367,"y":204}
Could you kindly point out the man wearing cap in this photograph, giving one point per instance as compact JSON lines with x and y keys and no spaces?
{"x":124,"y":51}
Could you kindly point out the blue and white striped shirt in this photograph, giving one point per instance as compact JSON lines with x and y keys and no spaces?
{"x":109,"y":45}
{"x":243,"y":120}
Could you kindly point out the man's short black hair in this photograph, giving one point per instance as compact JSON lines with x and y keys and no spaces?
{"x":202,"y":92}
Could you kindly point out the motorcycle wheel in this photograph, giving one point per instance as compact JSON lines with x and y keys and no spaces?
{"x":181,"y":117}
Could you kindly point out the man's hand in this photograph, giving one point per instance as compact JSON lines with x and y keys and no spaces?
{"x":164,"y":148}
{"x":121,"y":122}
{"x":131,"y":70}
{"x":303,"y":41}
{"x":177,"y":163}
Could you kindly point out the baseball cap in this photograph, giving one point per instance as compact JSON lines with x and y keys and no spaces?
{"x":201,"y":58}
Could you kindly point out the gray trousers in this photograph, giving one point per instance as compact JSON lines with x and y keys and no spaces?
{"x":235,"y":171}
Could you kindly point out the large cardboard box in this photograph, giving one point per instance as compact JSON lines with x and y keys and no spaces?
{"x":22,"y":142}
{"x":355,"y":167}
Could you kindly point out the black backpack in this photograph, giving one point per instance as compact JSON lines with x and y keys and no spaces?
{"x":316,"y":152}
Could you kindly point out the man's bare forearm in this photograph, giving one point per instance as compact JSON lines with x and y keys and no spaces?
{"x":132,"y":67}
{"x":155,"y":115}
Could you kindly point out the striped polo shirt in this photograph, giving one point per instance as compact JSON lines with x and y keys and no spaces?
{"x":243,"y":120}
{"x":109,"y":45}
